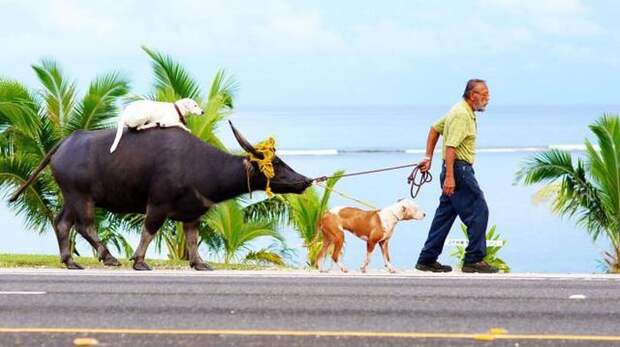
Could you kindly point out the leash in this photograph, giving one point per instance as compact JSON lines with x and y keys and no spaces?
{"x":425,"y":177}
{"x":415,"y":183}
{"x":347,"y":196}
{"x":325,"y":178}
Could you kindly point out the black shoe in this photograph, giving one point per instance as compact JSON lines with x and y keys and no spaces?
{"x":480,"y":267}
{"x":434,"y":267}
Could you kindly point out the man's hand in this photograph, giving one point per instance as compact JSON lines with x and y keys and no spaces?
{"x":425,"y":164}
{"x":449,"y":185}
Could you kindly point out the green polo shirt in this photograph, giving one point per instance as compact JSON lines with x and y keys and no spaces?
{"x":458,"y":128}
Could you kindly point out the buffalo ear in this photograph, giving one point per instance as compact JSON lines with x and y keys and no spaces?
{"x":247,"y":146}
{"x":248,"y":166}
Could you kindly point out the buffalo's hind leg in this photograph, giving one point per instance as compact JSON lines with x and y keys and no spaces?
{"x":86,"y":227}
{"x":152,"y":222}
{"x":62,"y":226}
{"x":191,"y":238}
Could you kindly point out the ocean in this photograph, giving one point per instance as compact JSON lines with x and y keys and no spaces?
{"x":317,"y":141}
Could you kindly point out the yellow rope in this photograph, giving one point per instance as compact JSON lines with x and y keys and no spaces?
{"x":268,"y":150}
{"x":361,"y":202}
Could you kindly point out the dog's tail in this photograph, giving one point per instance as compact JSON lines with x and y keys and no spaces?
{"x":319,"y":231}
{"x":119,"y":134}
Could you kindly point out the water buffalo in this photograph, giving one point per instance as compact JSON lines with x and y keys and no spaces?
{"x":162,"y":173}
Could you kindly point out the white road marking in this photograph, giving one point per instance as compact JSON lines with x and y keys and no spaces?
{"x":22,"y":293}
{"x":577,"y":297}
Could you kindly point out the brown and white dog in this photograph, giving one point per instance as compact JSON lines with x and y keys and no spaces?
{"x":374,"y":227}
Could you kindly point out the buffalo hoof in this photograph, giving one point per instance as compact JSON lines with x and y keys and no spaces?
{"x":202,"y":267}
{"x":111,"y":261}
{"x":141,"y":266}
{"x":71,"y":265}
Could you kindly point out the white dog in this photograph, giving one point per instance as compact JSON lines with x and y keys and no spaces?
{"x":145,"y":114}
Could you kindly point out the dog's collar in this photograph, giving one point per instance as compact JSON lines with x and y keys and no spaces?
{"x":181,"y":118}
{"x":395,"y":215}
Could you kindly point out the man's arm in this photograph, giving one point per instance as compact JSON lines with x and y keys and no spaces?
{"x":449,"y":184}
{"x":431,"y":142}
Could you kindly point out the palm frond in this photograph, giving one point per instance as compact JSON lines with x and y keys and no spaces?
{"x":58,"y":92}
{"x":18,"y":109}
{"x":545,"y":167}
{"x":304,"y":213}
{"x":274,"y":209}
{"x":605,"y":168}
{"x":99,"y":105}
{"x":576,"y":197}
{"x":228,"y":220}
{"x":211,"y":238}
{"x":223,"y":90}
{"x":330,"y":184}
{"x":219,"y":105}
{"x":265,"y":256}
{"x":38,"y":201}
{"x":172,"y":81}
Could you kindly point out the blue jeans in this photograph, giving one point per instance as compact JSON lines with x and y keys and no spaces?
{"x":469,"y":204}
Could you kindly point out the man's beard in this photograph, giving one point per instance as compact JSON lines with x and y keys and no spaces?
{"x":481,"y":108}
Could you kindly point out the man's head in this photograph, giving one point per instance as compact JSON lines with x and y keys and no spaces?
{"x":476,"y":94}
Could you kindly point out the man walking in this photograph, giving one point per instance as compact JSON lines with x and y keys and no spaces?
{"x":461,"y":195}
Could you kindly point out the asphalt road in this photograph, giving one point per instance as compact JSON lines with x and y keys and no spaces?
{"x":123,"y":308}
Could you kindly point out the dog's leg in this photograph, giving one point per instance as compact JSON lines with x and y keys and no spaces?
{"x":147,"y":126}
{"x":321,"y":255}
{"x":337,"y":255}
{"x":386,"y":256}
{"x":370,"y":246}
{"x":179,"y":125}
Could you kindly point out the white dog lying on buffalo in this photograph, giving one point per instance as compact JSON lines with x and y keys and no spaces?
{"x":376,"y":226}
{"x":145,"y":114}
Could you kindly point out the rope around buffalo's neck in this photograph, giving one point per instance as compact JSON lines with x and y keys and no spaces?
{"x":267,"y":149}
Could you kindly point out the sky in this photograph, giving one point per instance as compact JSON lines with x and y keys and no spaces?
{"x":333,"y":53}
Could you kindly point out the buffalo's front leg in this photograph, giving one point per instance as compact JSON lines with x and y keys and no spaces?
{"x":191,"y":237}
{"x":153,"y":221}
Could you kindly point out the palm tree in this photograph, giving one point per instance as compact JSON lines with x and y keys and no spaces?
{"x":585,"y":189}
{"x":304,"y":211}
{"x":32,"y":122}
{"x":237,"y":234}
{"x":173,"y":82}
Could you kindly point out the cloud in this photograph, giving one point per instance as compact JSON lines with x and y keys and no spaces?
{"x":277,"y":27}
{"x":283,"y":42}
